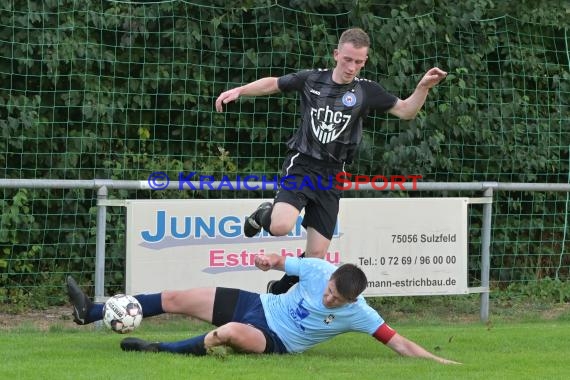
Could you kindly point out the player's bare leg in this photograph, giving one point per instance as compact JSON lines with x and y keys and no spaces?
{"x":278,"y":219}
{"x":239,"y":336}
{"x":196,"y":303}
{"x":317,"y":244}
{"x":283,"y":218}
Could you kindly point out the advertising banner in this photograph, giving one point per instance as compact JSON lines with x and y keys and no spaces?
{"x":406,"y":246}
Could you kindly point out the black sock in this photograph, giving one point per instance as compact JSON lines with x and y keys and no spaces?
{"x":283,"y":285}
{"x":286,"y":282}
{"x":264,"y":219}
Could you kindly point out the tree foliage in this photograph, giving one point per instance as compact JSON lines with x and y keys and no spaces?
{"x":103,"y":89}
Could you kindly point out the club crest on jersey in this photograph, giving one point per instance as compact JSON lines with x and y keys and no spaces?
{"x":349,"y":99}
{"x":329,"y":319}
{"x":327,"y":124}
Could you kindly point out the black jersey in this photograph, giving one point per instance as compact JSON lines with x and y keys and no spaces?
{"x":331,"y":113}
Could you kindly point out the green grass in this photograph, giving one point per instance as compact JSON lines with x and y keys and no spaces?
{"x":498,"y":350}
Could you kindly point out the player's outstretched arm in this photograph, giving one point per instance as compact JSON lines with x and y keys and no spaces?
{"x":406,"y":347}
{"x":271,"y":261}
{"x":263,"y":86}
{"x":408,"y":108}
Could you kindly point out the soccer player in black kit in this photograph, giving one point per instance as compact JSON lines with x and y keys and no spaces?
{"x":333,"y":106}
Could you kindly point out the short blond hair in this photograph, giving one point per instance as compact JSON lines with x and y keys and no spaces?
{"x":355,"y":36}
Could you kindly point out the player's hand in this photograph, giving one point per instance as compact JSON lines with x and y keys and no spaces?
{"x":226,"y":97}
{"x":432,"y":77}
{"x":263,"y":262}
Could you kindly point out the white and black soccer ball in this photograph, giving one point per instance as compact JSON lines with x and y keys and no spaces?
{"x":122,"y":313}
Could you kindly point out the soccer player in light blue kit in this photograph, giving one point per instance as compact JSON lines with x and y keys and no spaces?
{"x":326,"y":302}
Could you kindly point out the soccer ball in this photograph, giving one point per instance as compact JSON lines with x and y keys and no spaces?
{"x":122,"y":313}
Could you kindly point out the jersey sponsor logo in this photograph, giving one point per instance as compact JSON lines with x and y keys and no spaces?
{"x":313,"y":91}
{"x":327,"y":125}
{"x":299,"y":314}
{"x":349,"y":99}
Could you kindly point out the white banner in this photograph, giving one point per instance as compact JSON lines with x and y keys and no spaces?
{"x":406,"y":246}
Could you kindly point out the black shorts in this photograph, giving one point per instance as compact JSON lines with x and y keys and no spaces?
{"x":234,"y":305}
{"x":311,"y":184}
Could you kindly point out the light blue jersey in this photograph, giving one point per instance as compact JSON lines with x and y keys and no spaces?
{"x":299,"y":317}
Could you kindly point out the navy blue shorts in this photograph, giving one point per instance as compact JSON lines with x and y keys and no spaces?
{"x":235,"y":305}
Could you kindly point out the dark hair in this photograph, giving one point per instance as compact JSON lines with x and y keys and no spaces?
{"x":350,"y":281}
{"x":355,"y":36}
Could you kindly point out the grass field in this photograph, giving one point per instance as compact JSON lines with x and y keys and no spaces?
{"x":504,"y":349}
